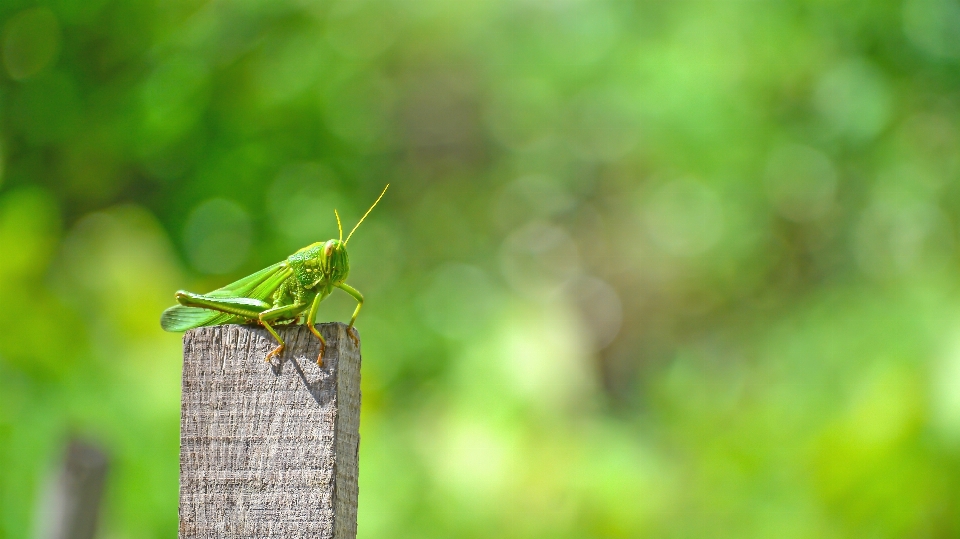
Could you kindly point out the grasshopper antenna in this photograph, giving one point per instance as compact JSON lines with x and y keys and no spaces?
{"x":366,"y":214}
{"x":340,"y":228}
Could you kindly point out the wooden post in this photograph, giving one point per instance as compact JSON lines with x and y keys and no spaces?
{"x":269,"y":450}
{"x":72,"y":506}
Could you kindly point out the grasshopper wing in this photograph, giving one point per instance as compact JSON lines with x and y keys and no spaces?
{"x":257,"y":287}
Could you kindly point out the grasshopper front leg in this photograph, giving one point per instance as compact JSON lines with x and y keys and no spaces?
{"x":359,"y":297}
{"x":273,"y":314}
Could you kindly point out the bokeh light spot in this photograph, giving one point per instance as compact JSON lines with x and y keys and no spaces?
{"x":945,"y":399}
{"x":539,"y":259}
{"x":47,"y":107}
{"x":854,"y":100}
{"x":173,"y":97}
{"x":362,"y":28}
{"x":933,"y":26}
{"x":289,"y":65}
{"x":359,"y":111}
{"x":473,"y":459}
{"x":534,"y":195}
{"x":31,"y":41}
{"x":217,"y":236}
{"x":602,"y":126}
{"x":801,"y":182}
{"x":542,"y":352}
{"x":897,"y":231}
{"x":29,"y":227}
{"x":523,"y":114}
{"x":685,"y":217}
{"x":301,"y":202}
{"x":459,"y":301}
{"x":600,"y":307}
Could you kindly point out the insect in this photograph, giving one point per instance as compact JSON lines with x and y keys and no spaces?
{"x":277,"y":294}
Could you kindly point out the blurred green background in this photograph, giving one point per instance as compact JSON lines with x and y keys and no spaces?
{"x":646,"y":269}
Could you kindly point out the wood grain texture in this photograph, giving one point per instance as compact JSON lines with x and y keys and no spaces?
{"x":269,"y":449}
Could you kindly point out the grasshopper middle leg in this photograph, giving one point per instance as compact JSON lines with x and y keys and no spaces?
{"x":282,"y":311}
{"x":312,"y":324}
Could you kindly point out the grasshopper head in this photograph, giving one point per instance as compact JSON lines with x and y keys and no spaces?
{"x":335,"y":261}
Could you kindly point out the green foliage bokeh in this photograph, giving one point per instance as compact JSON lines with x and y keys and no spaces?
{"x":646,"y":269}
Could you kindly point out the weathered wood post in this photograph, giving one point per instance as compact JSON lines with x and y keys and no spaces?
{"x":72,"y":506}
{"x":269,"y":450}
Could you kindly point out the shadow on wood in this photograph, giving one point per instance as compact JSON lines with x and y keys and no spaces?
{"x":266,"y":450}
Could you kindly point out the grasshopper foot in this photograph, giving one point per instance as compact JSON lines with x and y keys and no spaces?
{"x":273,"y":353}
{"x":352,"y":333}
{"x":323,"y":348}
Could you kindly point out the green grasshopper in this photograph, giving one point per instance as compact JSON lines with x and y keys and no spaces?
{"x":276,"y":294}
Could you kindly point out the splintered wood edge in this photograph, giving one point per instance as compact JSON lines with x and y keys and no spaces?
{"x":347,"y":444}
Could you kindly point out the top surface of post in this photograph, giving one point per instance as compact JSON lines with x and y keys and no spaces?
{"x":269,"y":449}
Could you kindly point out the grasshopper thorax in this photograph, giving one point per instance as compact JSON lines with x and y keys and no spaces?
{"x":321,"y":262}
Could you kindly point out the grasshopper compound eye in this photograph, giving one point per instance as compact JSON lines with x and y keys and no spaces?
{"x":328,"y":249}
